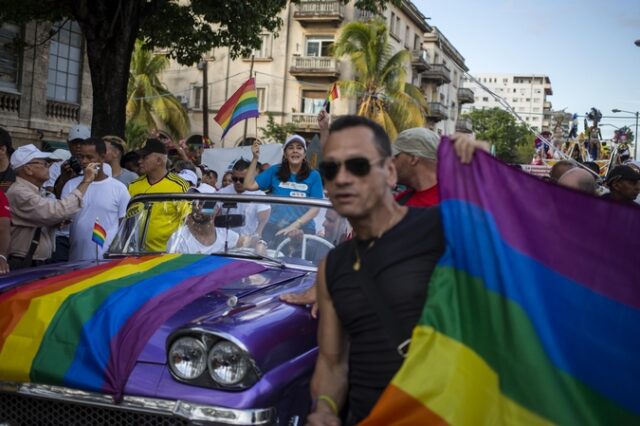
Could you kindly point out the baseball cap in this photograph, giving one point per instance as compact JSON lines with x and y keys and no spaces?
{"x":60,"y":154}
{"x":5,"y":140}
{"x":26,"y":154}
{"x":189,"y":176}
{"x":295,"y":138}
{"x":418,"y":141}
{"x":79,"y":131}
{"x":622,"y":173}
{"x":152,"y":145}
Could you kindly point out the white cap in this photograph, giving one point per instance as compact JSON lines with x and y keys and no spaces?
{"x":79,"y":131}
{"x":205,"y":188}
{"x":61,"y":154}
{"x":189,"y":176}
{"x":27,"y":153}
{"x":295,"y":138}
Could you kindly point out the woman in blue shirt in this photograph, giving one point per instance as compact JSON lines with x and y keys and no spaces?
{"x":292,"y":178}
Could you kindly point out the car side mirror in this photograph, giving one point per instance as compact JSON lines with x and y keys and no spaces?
{"x":229,"y":221}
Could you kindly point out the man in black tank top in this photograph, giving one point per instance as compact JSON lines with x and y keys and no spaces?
{"x":386,"y":267}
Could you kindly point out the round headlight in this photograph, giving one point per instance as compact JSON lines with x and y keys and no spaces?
{"x":228,"y":364}
{"x":188,"y":358}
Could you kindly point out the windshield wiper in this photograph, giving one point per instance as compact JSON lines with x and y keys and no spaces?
{"x":245,"y":254}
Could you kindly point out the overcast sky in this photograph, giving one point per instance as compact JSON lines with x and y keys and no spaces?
{"x":586,"y":47}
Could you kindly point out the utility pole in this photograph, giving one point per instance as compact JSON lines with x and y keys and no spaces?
{"x":205,"y":99}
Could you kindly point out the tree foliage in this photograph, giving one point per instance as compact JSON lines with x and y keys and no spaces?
{"x":277,"y":133}
{"x":500,"y":128}
{"x":380,"y":77}
{"x":149,"y":103}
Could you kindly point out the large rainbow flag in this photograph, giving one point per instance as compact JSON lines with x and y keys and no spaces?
{"x":533,"y":314}
{"x":86,"y":329}
{"x":243,"y":104}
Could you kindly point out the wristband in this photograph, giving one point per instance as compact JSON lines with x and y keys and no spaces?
{"x":330,"y":402}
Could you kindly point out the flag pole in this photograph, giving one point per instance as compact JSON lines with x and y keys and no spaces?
{"x":246,"y":122}
{"x":97,"y":261}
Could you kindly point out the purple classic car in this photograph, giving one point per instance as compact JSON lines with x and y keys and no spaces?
{"x":180,"y":323}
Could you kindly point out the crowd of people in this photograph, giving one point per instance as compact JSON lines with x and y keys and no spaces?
{"x":53,"y":200}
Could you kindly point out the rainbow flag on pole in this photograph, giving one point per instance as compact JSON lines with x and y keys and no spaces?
{"x":533,"y":314}
{"x":334,"y":94}
{"x":243,"y":104}
{"x":86,"y":328}
{"x":99,"y":234}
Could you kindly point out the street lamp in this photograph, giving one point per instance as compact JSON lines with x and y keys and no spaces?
{"x":635,"y":135}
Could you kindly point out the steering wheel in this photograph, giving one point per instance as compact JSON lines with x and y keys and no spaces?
{"x":305,"y":238}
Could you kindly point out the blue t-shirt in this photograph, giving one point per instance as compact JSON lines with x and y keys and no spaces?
{"x":282,"y":215}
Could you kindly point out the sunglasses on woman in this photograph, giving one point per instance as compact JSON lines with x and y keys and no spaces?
{"x":357,"y":166}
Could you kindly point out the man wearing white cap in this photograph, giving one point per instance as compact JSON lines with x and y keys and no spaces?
{"x":34,"y":216}
{"x":414,"y":156}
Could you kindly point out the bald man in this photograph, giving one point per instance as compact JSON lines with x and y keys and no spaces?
{"x":580,"y":179}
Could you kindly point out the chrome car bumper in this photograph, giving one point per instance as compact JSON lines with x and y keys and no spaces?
{"x":196,"y":413}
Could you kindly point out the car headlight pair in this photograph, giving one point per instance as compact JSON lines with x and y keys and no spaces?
{"x":227,"y":364}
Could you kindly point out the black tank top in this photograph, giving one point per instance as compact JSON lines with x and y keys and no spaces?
{"x":401,"y":263}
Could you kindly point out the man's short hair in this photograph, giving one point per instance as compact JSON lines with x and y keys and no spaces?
{"x":560,"y":168}
{"x":101,"y":148}
{"x":210,"y":172}
{"x":181,"y":165}
{"x":131,"y":157}
{"x":116,"y":142}
{"x":380,"y":137}
{"x":241,"y":165}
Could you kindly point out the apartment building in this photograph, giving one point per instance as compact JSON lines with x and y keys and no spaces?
{"x":526,"y":93}
{"x":442,"y":85}
{"x":295,"y":70}
{"x":46,"y":89}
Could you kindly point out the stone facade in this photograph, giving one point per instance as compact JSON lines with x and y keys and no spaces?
{"x":30,"y":108}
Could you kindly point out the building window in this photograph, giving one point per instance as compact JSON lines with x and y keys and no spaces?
{"x":65,"y":60}
{"x":319,"y":46}
{"x":9,"y":59}
{"x":392,"y":23}
{"x":536,"y":110}
{"x":407,"y":37}
{"x":538,"y":91}
{"x":527,"y":100}
{"x":536,"y":99}
{"x":265,"y":48}
{"x":398,"y":26}
{"x":417,"y":45}
{"x":262,"y":98}
{"x":515,"y":100}
{"x":197,"y":97}
{"x":485,"y":99}
{"x":313,"y":101}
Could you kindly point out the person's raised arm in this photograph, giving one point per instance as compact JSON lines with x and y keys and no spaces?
{"x":465,"y":145}
{"x":324,"y":122}
{"x":250,"y":183}
{"x":329,"y":382}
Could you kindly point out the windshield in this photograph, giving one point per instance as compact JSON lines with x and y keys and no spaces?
{"x":241,"y":226}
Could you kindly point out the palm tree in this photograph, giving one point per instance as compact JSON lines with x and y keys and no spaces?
{"x":380,"y":77}
{"x":149,"y":103}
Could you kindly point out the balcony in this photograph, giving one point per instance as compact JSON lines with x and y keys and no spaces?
{"x":437,"y":112}
{"x":547,"y":106}
{"x":420,"y":60}
{"x":437,"y":73}
{"x":63,"y":111}
{"x":363,"y":15}
{"x":314,"y":12}
{"x":305,"y":122}
{"x":9,"y":102}
{"x":465,"y":96}
{"x":464,"y":125}
{"x":315,"y":66}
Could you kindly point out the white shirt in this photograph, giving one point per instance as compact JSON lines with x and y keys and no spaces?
{"x":205,"y":188}
{"x":54,"y":173}
{"x":183,"y":241}
{"x":248,"y":210}
{"x":105,"y":201}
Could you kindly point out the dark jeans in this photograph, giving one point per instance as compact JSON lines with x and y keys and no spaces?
{"x":17,"y":262}
{"x":62,"y":249}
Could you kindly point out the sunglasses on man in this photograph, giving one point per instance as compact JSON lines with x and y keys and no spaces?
{"x":357,"y":166}
{"x":236,"y":179}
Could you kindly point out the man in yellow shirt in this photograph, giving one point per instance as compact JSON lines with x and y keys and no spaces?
{"x":164,"y":217}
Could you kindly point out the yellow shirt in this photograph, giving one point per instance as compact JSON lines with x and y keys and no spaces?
{"x":164,"y":217}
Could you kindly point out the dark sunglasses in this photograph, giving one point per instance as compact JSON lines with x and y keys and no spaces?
{"x":357,"y":166}
{"x":237,"y":179}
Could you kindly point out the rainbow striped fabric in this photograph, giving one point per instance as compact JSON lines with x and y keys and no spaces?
{"x":533,"y":314}
{"x":243,"y":104}
{"x":99,"y":234}
{"x":85,"y":329}
{"x":334,"y":94}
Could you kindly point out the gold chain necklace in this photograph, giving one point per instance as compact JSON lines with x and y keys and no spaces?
{"x":357,"y":264}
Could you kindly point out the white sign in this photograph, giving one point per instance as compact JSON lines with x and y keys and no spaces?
{"x":222,"y":159}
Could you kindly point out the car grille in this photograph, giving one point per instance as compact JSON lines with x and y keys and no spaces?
{"x":19,"y":410}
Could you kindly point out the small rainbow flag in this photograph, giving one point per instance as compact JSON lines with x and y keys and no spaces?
{"x":86,"y":328}
{"x":99,"y":234}
{"x":531,"y":319}
{"x":334,"y":94}
{"x":243,"y":104}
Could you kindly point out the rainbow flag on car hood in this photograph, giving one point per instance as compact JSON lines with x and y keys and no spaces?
{"x":86,"y":329}
{"x":533,"y":314}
